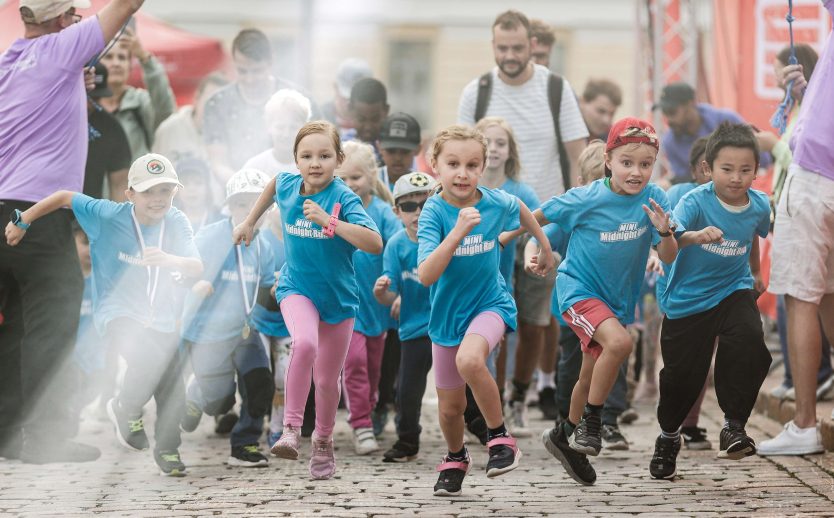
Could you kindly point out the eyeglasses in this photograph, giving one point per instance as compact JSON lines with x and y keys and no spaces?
{"x":72,"y":14}
{"x":411,"y":206}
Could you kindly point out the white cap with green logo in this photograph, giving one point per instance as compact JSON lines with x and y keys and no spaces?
{"x":151,"y":170}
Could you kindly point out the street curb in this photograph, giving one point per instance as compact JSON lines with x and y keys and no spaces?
{"x":783,"y":410}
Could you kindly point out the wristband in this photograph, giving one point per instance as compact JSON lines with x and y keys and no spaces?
{"x":17,"y":220}
{"x":330,"y":230}
{"x":669,"y":232}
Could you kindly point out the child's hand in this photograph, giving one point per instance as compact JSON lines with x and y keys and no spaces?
{"x":381,"y":286}
{"x":660,"y":219}
{"x":395,"y":308}
{"x":154,"y":256}
{"x":758,"y":283}
{"x":709,"y":235}
{"x":14,"y":234}
{"x":313,"y":212}
{"x":654,"y":265}
{"x":542,"y":263}
{"x":202,"y":289}
{"x":468,"y":218}
{"x":243,"y":233}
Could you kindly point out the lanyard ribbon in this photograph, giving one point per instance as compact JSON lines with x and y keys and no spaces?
{"x":248,"y":306}
{"x":153,"y":271}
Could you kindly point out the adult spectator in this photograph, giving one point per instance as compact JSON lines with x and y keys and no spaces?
{"x":599,"y":103}
{"x":803,"y":250}
{"x":541,"y":43}
{"x":285,"y":113}
{"x":181,"y":134}
{"x":369,"y":109}
{"x":43,"y":145}
{"x":139,"y":111}
{"x":108,"y":156}
{"x":337,"y":110}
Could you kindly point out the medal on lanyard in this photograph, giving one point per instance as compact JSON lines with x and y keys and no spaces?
{"x":247,"y":305}
{"x":153,"y":271}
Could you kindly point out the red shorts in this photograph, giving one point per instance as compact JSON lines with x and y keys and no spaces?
{"x":583,"y":318}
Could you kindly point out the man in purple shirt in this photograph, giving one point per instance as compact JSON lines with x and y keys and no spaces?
{"x":43,"y":148}
{"x":803,"y":250}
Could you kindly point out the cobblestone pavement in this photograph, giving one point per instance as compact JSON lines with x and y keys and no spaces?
{"x":124,"y":483}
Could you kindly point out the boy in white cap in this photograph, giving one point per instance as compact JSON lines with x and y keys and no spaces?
{"x":218,"y":333}
{"x":139,"y":248}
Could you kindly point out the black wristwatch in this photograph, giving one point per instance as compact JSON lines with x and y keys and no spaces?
{"x":672,"y":228}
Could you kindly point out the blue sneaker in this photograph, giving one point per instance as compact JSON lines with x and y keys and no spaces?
{"x":273,"y":438}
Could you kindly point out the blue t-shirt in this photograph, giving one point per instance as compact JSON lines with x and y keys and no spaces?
{"x":222,"y":315}
{"x":704,"y":275}
{"x":372,"y":318}
{"x":610,"y":238}
{"x":89,"y":352}
{"x":526,"y":194}
{"x":559,"y":240}
{"x":271,"y":323}
{"x":471,"y":283}
{"x":318,"y":267}
{"x":400,"y":262}
{"x":120,"y":283}
{"x":674,"y":194}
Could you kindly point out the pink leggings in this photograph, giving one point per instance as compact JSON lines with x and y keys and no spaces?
{"x":318,"y":353}
{"x":361,"y":377}
{"x":489,"y":325}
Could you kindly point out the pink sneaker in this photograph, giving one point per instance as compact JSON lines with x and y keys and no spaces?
{"x":322,"y":459}
{"x":287,"y":445}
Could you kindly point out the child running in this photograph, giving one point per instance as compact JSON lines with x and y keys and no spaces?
{"x":137,"y":247}
{"x":471,"y":307}
{"x":612,"y":229}
{"x":400,"y":280}
{"x":324,"y":223}
{"x":217,"y":325}
{"x":711,"y":294}
{"x":364,"y":358}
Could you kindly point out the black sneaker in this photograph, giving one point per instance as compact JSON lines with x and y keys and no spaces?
{"x":248,"y":456}
{"x":576,"y":464}
{"x":129,"y":432}
{"x":664,"y":460}
{"x":46,"y":452}
{"x":191,"y":418}
{"x":223,"y":424}
{"x":401,"y":451}
{"x":695,"y":438}
{"x":735,"y":444}
{"x":169,"y":463}
{"x":547,"y":403}
{"x":503,"y":456}
{"x":587,"y":437}
{"x":452,"y":473}
{"x":612,"y":438}
{"x":478,"y":428}
{"x":629,"y":416}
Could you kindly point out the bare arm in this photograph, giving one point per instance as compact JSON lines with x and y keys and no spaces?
{"x":574,"y":148}
{"x":114,"y":15}
{"x":755,"y":265}
{"x":667,"y":249}
{"x":545,"y":261}
{"x":506,"y":237}
{"x":382,"y":291}
{"x":189,"y":266}
{"x":361,"y":237}
{"x":244,"y":232}
{"x":46,"y":206}
{"x":435,"y":264}
{"x":701,"y":237}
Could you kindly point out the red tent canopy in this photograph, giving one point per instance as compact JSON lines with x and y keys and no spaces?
{"x":187,"y":57}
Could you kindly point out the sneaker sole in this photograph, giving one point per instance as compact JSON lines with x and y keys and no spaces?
{"x":407,"y":458}
{"x":112,"y":415}
{"x":173,"y":473}
{"x":495,"y":472}
{"x":557,"y":453}
{"x":443,"y":492}
{"x":664,"y":477}
{"x":738,"y":454}
{"x":284,"y":452}
{"x":796,"y":451}
{"x":587,"y":450}
{"x":367,"y":451}
{"x":323,"y":477}
{"x":615,"y":446}
{"x":234,"y":461}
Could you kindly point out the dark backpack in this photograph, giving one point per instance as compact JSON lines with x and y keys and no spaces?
{"x":554,"y":98}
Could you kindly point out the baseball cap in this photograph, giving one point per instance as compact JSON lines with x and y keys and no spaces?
{"x":630,"y":130}
{"x":674,"y":95}
{"x":39,"y":11}
{"x":246,"y":181}
{"x":101,"y":89}
{"x":150,"y":170}
{"x":349,"y":72}
{"x":400,"y":131}
{"x":412,"y":183}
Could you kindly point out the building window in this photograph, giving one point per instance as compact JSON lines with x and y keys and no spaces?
{"x":409,"y":79}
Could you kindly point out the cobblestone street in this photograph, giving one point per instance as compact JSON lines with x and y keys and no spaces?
{"x":124,"y":483}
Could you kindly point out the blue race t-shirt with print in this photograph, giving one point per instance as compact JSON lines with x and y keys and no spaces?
{"x":674,"y":194}
{"x":400,"y":265}
{"x":372,"y":318}
{"x":471,"y":283}
{"x":526,"y":194}
{"x":222,"y":315}
{"x":271,"y":323}
{"x":120,"y":282}
{"x":318,"y":267}
{"x":610,"y":238}
{"x":704,"y":275}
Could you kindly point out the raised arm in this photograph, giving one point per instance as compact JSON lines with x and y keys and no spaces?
{"x":435,"y":264}
{"x":114,"y":15}
{"x":47,"y":205}
{"x":244,"y":232}
{"x":506,"y":237}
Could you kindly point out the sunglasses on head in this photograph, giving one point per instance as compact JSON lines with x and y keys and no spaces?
{"x":411,"y":206}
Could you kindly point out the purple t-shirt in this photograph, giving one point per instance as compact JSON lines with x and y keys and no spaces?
{"x":814,"y":132}
{"x":677,"y":147}
{"x":43,"y":112}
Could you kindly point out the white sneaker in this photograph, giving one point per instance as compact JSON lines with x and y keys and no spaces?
{"x":779,"y":392}
{"x":793,"y":441}
{"x":516,"y":419}
{"x":364,"y":441}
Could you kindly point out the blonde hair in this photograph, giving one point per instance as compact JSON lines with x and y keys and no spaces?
{"x":592,"y":162}
{"x":457,"y":132}
{"x":363,"y":156}
{"x":512,"y":168}
{"x":326,"y":129}
{"x":287,"y":102}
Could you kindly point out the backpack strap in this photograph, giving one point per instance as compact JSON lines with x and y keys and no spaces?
{"x":484,"y":93}
{"x":555,"y":84}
